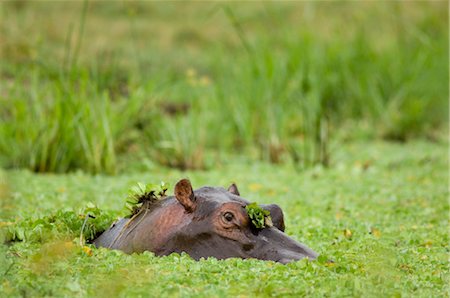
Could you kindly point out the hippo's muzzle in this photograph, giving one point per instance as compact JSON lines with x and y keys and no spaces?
{"x":272,"y":244}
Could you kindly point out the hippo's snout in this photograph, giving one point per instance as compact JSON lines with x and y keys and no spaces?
{"x":286,"y":261}
{"x":277,"y":246}
{"x":291,"y":256}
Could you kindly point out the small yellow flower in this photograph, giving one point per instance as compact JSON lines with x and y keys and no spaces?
{"x":375,"y":232}
{"x":428,"y":243}
{"x":348,"y":234}
{"x":87,"y":250}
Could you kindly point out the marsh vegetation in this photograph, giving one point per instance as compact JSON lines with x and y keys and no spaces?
{"x":338,"y":112}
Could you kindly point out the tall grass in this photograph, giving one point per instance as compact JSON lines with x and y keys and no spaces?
{"x":279,"y":95}
{"x":290,"y":97}
{"x":276,"y":102}
{"x":58,"y":125}
{"x":291,"y":103}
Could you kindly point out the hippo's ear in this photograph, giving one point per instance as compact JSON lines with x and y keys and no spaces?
{"x":185,"y":194}
{"x":233,"y":189}
{"x":277,"y":215}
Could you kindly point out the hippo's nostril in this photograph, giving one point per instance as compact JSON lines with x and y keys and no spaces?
{"x":248,"y":246}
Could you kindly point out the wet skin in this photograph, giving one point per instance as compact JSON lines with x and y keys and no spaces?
{"x":207,"y":222}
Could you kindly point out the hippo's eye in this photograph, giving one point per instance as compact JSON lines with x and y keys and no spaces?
{"x":228,"y":216}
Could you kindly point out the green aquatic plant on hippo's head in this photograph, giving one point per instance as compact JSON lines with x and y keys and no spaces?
{"x":145,"y":194}
{"x":259,"y":217}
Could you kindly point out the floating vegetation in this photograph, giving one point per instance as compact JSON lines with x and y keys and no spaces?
{"x":87,"y":223}
{"x":260,"y":217}
{"x":143,"y":195}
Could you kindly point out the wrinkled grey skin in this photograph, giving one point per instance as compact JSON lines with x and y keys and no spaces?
{"x":175,"y":225}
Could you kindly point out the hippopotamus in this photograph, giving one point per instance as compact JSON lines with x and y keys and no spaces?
{"x":207,"y":222}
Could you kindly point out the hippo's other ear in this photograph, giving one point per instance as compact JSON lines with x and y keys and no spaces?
{"x":277,"y":216}
{"x":185,"y":194}
{"x":233,"y":189}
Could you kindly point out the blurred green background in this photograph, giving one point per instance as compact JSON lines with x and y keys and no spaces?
{"x":104,"y":86}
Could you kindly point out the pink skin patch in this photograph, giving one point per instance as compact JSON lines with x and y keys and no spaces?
{"x":154,"y":231}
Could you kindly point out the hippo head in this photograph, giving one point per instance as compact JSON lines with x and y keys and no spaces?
{"x":218,"y":225}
